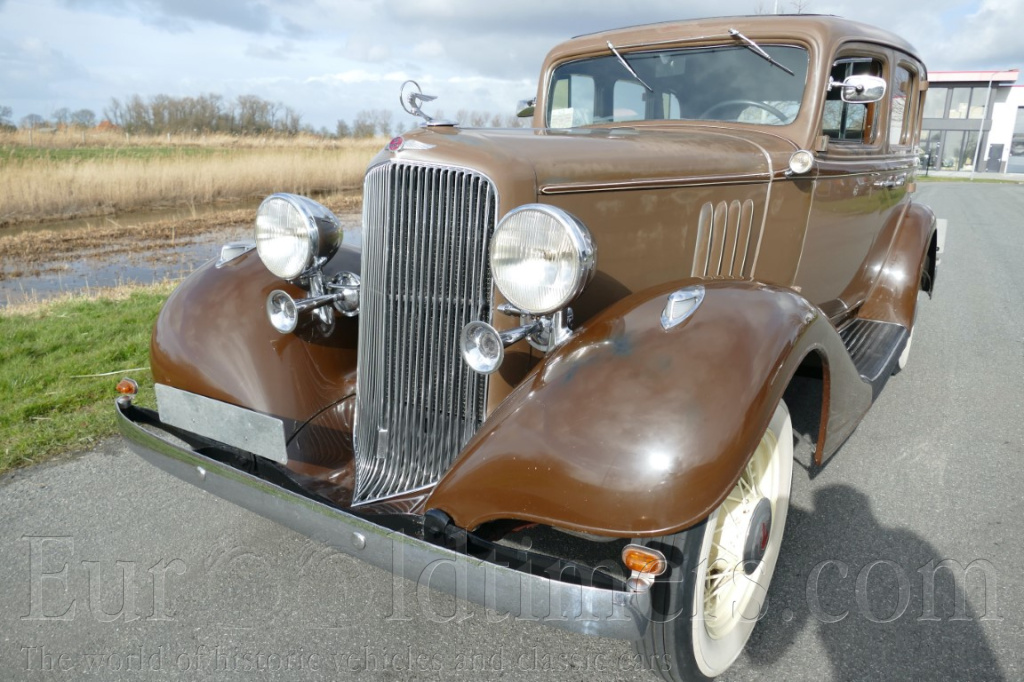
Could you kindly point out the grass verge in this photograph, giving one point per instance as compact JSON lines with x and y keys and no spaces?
{"x":51,"y":361}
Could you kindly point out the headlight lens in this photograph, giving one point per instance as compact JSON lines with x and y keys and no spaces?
{"x":541,"y":258}
{"x":293,"y":233}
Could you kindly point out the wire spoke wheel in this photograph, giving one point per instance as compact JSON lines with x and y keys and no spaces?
{"x":728,"y":593}
{"x":721,"y":568}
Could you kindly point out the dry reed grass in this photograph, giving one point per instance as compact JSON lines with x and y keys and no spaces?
{"x":69,"y":138}
{"x":42,"y":187}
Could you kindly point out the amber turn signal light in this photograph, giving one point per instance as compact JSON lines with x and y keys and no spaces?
{"x":644,"y":560}
{"x":127,"y":387}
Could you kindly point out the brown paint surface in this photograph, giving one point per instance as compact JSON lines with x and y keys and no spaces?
{"x":630,"y":429}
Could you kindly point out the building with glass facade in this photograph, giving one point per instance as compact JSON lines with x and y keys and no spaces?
{"x":974,"y":121}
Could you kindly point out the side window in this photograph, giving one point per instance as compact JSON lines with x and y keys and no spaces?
{"x":628,"y":101}
{"x":572,"y":101}
{"x":669,"y":106}
{"x":845,"y":122}
{"x":902,"y":107}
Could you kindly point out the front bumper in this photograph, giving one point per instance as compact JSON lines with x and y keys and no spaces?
{"x":580,"y":608}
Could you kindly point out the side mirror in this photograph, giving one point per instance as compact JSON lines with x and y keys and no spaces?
{"x":860,"y":89}
{"x":525,"y":107}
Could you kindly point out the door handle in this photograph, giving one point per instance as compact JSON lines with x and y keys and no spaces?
{"x":891,"y":181}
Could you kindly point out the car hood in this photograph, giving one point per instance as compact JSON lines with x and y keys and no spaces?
{"x":590,"y":159}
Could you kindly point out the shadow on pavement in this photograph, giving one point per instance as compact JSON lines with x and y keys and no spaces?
{"x":881,"y":600}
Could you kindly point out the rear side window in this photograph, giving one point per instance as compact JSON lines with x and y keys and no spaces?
{"x":902,"y":107}
{"x":629,"y":102}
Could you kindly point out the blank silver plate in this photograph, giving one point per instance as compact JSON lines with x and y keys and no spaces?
{"x":229,"y":424}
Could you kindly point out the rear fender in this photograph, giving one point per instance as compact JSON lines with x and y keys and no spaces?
{"x":633,"y":430}
{"x":906,"y":270}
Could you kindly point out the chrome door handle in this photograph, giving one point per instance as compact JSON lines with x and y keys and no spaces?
{"x":891,"y":181}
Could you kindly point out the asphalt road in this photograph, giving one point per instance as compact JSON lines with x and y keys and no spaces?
{"x":113,"y":570}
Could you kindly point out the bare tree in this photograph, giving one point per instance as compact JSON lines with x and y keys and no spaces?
{"x":33,"y":122}
{"x":114,"y":112}
{"x":381,"y":121}
{"x":513,"y":121}
{"x":5,"y":116}
{"x":83,"y":118}
{"x":342,"y":129}
{"x":291,"y":121}
{"x":363,"y":124}
{"x":61,"y":117}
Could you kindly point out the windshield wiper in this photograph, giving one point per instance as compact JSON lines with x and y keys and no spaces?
{"x":622,"y":60}
{"x":757,"y":50}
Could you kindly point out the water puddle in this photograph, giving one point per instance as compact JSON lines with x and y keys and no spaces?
{"x":144,"y":262}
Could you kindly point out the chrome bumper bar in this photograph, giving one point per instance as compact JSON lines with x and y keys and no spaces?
{"x":578,"y":608}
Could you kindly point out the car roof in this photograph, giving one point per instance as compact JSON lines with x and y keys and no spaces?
{"x":824,"y":30}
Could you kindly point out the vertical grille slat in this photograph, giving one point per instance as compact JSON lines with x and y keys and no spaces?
{"x":425,"y":276}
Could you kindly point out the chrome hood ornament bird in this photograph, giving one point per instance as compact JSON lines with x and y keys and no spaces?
{"x":412,"y":98}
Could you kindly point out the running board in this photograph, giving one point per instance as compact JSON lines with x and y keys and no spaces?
{"x":874,"y":348}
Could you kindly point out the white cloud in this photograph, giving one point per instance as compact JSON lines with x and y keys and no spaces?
{"x":359,"y":76}
{"x":429,"y":49}
{"x":991,"y":36}
{"x":472,"y":54}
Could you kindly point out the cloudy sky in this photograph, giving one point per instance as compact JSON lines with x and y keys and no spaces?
{"x":327,"y":59}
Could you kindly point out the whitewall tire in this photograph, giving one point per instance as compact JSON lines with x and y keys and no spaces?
{"x":715,"y":592}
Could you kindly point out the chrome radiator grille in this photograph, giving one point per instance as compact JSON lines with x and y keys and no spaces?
{"x":425,"y":275}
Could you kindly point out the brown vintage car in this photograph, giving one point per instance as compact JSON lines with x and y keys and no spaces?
{"x":555,"y":357}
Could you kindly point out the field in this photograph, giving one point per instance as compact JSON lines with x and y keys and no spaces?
{"x":60,"y":359}
{"x":58,"y":177}
{"x":59,"y":363}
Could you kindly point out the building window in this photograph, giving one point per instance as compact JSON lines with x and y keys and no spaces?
{"x":1015,"y":163}
{"x":930,"y":146}
{"x":950,"y":149}
{"x":935,"y":103}
{"x":967,"y":159}
{"x":967,"y":103}
{"x":959,"y":102}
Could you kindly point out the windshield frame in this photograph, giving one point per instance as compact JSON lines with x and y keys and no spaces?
{"x":554,"y":118}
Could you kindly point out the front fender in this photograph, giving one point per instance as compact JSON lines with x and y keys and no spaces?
{"x":212,"y":338}
{"x":632,"y":430}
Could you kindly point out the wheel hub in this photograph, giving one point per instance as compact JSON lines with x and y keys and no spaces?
{"x":759,"y":529}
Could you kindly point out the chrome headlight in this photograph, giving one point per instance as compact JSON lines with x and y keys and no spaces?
{"x":294,"y":234}
{"x":541,"y":258}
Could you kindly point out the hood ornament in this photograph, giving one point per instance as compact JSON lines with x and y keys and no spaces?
{"x":411,"y":98}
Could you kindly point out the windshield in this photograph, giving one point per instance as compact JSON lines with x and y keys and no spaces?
{"x":729,"y":83}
